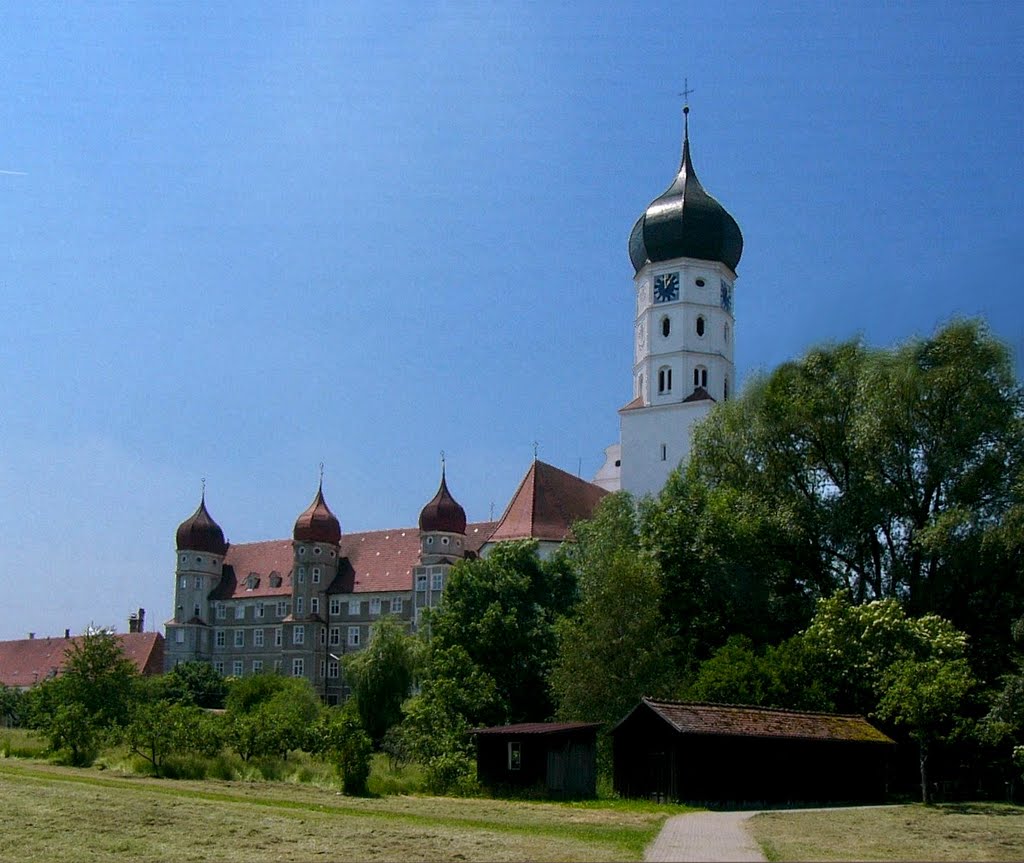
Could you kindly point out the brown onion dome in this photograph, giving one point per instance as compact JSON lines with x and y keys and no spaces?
{"x":317,"y":523}
{"x":199,"y":532}
{"x":443,"y":513}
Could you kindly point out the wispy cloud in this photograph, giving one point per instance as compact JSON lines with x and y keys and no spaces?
{"x":14,"y":173}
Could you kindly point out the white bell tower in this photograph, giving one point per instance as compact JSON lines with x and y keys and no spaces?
{"x":684,"y":249}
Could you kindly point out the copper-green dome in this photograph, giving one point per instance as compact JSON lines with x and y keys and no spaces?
{"x":685,"y":222}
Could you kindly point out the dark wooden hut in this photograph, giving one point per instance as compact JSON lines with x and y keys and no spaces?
{"x":559,"y":757}
{"x":714,"y":753}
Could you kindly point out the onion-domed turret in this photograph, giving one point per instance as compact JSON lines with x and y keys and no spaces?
{"x":317,"y":523}
{"x":443,"y":513}
{"x":685,"y":222}
{"x":199,"y":532}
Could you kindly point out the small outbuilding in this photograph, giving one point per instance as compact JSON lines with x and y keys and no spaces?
{"x":558,"y":757}
{"x":716,"y":753}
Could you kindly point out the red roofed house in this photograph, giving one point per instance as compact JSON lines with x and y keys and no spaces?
{"x":718,"y":753}
{"x":298,"y":605}
{"x":27,"y":661}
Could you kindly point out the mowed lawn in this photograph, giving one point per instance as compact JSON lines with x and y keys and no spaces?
{"x":976,"y":831}
{"x":51,"y":813}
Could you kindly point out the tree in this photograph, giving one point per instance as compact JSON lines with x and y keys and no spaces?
{"x":340,"y":736}
{"x":501,"y":611}
{"x":12,"y":706}
{"x":158,"y":730}
{"x":924,"y":695}
{"x":269,"y":715}
{"x":196,"y":683}
{"x":894,"y":473}
{"x":381,"y":676}
{"x":614,"y":648}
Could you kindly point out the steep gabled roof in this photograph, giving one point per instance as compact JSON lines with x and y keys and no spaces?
{"x":731,"y":720}
{"x":28,"y":661}
{"x":546,"y":504}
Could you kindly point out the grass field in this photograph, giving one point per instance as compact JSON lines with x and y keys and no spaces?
{"x":977,"y":831}
{"x":52,"y":812}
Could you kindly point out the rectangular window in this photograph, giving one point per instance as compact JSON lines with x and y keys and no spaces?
{"x":302,"y":575}
{"x":316,"y":575}
{"x":515,"y":756}
{"x":278,"y":639}
{"x":298,"y":667}
{"x":436,"y":581}
{"x":218,"y":667}
{"x":239,"y":612}
{"x":299,"y":635}
{"x":375,"y":605}
{"x":184,"y":582}
{"x":299,"y":605}
{"x":179,"y":636}
{"x":323,"y":669}
{"x":421,"y":581}
{"x":396,"y":605}
{"x":335,"y":607}
{"x":353,"y":636}
{"x":219,"y":639}
{"x":259,"y":609}
{"x":239,"y":638}
{"x":199,"y":582}
{"x":236,"y":668}
{"x":257,"y":666}
{"x":335,"y":638}
{"x":314,"y":605}
{"x":332,"y":669}
{"x":222,"y":612}
{"x":353,"y":608}
{"x":282,"y":607}
{"x":257,"y":638}
{"x":323,"y":634}
{"x":278,"y":665}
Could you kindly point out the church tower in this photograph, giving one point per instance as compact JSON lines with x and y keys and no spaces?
{"x":684,"y":248}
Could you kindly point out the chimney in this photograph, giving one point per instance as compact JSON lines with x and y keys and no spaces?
{"x":142,"y":620}
{"x":67,"y":633}
{"x":31,"y":635}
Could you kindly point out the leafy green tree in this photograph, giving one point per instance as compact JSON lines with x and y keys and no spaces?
{"x":501,"y":612}
{"x":269,"y":715}
{"x":196,"y":683}
{"x":12,"y":706}
{"x":614,"y":648}
{"x":340,"y":736}
{"x":891,"y":474}
{"x":158,"y":730}
{"x":924,"y":696}
{"x":381,"y":676}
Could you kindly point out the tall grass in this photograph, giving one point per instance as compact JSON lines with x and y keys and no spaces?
{"x":22,"y":743}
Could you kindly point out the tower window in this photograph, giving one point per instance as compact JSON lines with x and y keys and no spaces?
{"x":664,"y":379}
{"x":700,"y":377}
{"x":700,"y":283}
{"x":664,"y":452}
{"x":725,"y":389}
{"x":666,"y":326}
{"x":700,"y":325}
{"x":725,"y":332}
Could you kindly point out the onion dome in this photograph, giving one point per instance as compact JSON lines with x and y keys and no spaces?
{"x":685,"y":222}
{"x":443,"y":513}
{"x":199,"y":532}
{"x":318,"y":523}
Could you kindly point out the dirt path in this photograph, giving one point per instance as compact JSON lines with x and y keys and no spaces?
{"x":712,"y":836}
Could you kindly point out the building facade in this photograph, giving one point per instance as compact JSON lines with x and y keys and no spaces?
{"x":298,"y":606}
{"x":684,"y":248}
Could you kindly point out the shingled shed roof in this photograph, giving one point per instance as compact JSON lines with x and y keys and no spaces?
{"x":546,"y":504}
{"x":737,"y":721}
{"x":537,"y":728}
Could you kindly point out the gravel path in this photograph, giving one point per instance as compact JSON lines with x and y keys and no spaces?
{"x":712,"y":836}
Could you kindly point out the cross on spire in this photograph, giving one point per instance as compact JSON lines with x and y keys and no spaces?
{"x":686,"y":107}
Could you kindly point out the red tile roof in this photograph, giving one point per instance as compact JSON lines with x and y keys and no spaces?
{"x":532,"y":728}
{"x":638,"y":402}
{"x":739,"y":721}
{"x":546,"y":504}
{"x":31,"y":660}
{"x":376,"y":560}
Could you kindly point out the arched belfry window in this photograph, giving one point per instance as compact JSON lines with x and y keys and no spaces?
{"x":700,"y":377}
{"x":666,"y":326}
{"x":664,"y":379}
{"x":700,"y":325}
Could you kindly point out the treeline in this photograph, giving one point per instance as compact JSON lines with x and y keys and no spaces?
{"x":847,"y":537}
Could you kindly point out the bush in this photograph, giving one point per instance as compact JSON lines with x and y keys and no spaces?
{"x":340,"y":737}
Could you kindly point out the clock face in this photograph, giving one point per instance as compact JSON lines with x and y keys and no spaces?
{"x":726,"y":296}
{"x":666,"y":288}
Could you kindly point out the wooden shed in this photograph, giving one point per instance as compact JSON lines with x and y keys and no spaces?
{"x":560,"y":757}
{"x":715,"y":753}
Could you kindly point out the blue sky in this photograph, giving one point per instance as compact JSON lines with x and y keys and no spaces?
{"x":241,"y":239}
